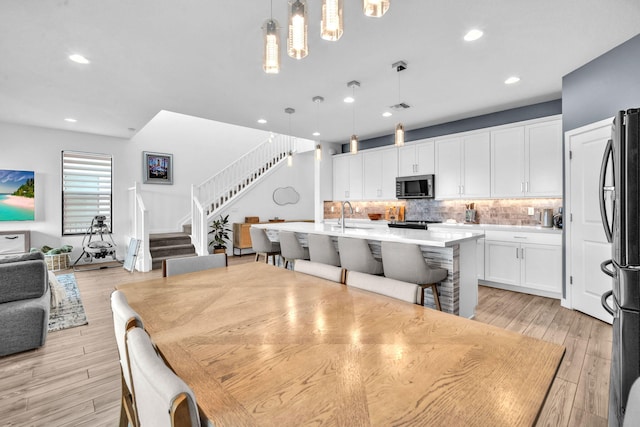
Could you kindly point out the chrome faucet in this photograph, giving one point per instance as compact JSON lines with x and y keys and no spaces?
{"x":346,"y":202}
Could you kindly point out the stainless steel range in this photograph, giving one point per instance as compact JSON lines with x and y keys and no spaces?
{"x":413,"y":224}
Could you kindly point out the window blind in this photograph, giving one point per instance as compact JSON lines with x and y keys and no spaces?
{"x":86,"y":190}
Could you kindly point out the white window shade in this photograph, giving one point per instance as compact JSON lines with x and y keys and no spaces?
{"x":86,"y":190}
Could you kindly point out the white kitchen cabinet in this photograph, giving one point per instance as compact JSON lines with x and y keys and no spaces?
{"x":530,"y":262}
{"x":480,"y":258}
{"x":347,"y":177}
{"x":463,"y":167}
{"x":417,"y":158}
{"x":526,"y":161}
{"x":380,"y":171}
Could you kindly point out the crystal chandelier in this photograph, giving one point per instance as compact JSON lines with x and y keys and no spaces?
{"x":297,"y":41}
{"x":375,"y":8}
{"x":331,"y":25}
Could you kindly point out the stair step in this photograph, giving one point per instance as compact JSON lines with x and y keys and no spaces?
{"x":170,"y":250}
{"x":167,"y":239}
{"x":156,"y":263}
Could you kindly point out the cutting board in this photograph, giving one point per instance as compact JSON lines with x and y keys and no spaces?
{"x":397,"y":211}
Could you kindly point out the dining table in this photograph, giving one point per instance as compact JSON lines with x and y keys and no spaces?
{"x":261,"y":345}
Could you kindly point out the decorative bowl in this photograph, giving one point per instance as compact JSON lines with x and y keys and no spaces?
{"x":374,"y":216}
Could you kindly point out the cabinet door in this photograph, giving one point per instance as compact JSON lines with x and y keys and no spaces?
{"x":340,"y":177}
{"x":543,"y":155}
{"x":388,"y":173}
{"x":476,"y":166}
{"x":407,"y":160}
{"x":373,"y":170}
{"x":507,"y":162}
{"x":355,"y":177}
{"x":502,"y":262}
{"x":448,"y":157}
{"x":542,"y":267}
{"x":425,"y":158}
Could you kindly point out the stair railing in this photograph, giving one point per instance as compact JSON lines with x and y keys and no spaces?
{"x":198,"y":224}
{"x":140,"y":228}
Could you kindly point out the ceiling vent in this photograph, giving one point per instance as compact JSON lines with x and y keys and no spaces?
{"x":400,"y":106}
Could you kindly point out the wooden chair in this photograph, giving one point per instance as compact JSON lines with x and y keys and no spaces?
{"x":262,"y":245}
{"x":405,"y":262}
{"x":404,"y":291}
{"x":329,"y":272}
{"x":162,"y":398}
{"x":124,"y":319}
{"x":322,"y":250}
{"x":291,"y":249}
{"x":355,"y":255}
{"x":174,"y":266}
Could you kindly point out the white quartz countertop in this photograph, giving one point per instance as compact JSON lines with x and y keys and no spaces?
{"x":364,"y":230}
{"x":497,"y":227}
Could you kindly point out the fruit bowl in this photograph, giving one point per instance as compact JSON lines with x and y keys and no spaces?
{"x":374,"y":216}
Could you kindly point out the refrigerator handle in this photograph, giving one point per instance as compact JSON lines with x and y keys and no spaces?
{"x":605,"y":270}
{"x":603,"y":172}
{"x":603,"y":301}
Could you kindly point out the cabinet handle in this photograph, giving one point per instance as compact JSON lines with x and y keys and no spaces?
{"x":519,"y":237}
{"x":521,"y":187}
{"x":522,"y":253}
{"x":517,"y":249}
{"x":526,"y":187}
{"x":462,"y":189}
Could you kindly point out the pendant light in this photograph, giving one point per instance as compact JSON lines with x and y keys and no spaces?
{"x":331,"y":24}
{"x":353,"y":141}
{"x":297,"y":47}
{"x":318,"y":100}
{"x":271,"y":58}
{"x":399,"y":131}
{"x":290,"y":111}
{"x":375,"y":8}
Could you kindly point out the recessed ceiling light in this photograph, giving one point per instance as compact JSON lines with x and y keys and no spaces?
{"x":511,"y":80}
{"x":262,"y":121}
{"x":316,"y":133}
{"x":349,"y":99}
{"x":473,"y":35}
{"x":79,"y":59}
{"x":70,"y":120}
{"x":387,"y":114}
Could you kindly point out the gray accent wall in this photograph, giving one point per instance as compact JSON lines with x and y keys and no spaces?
{"x":600,"y":88}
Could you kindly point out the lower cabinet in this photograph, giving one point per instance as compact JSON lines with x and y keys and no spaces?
{"x":530,"y":262}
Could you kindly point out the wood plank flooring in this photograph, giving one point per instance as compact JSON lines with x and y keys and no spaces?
{"x":74,"y":379}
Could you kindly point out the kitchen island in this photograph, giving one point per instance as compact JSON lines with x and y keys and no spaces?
{"x":453,"y":250}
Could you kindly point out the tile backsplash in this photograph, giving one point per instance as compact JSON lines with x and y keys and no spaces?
{"x":493,"y":211}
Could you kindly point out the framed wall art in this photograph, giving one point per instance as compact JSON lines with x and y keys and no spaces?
{"x":17,"y":202}
{"x":157,"y":168}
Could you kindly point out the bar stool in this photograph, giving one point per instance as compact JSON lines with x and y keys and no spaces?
{"x":405,"y":262}
{"x":322,"y":250}
{"x":355,"y":255}
{"x":291,"y":249}
{"x":261,"y":244}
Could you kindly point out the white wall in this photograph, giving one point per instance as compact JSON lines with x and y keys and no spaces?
{"x":39,"y":150}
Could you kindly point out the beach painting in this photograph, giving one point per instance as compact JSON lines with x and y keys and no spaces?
{"x":16,"y":195}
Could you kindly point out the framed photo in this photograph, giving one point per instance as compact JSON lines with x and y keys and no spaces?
{"x":17,"y":202}
{"x":157,"y":168}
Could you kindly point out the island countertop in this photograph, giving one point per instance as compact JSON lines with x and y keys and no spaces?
{"x":438,"y":238}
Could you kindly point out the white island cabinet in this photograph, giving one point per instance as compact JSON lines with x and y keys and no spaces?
{"x":453,"y":250}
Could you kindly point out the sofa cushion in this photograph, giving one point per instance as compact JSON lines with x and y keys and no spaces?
{"x":23,"y":279}
{"x":24,"y":257}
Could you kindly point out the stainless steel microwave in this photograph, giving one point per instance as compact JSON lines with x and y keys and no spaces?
{"x":415,"y":187}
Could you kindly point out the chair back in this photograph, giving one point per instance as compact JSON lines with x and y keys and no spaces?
{"x":162,"y":398}
{"x":322,"y":250}
{"x":324,"y":271}
{"x":259,"y":240}
{"x":404,"y":291}
{"x":173,"y":266}
{"x":355,"y":255}
{"x":124,"y":318}
{"x":290,"y":247}
{"x":405,"y":262}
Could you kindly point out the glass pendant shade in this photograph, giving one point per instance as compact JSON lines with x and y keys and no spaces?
{"x":399,"y":137}
{"x":297,"y":41}
{"x":318,"y":152}
{"x":375,"y":8}
{"x":271,"y":60}
{"x":290,"y":159}
{"x":331,"y":25}
{"x":353,"y":144}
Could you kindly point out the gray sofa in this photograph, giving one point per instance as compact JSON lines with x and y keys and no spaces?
{"x":24,"y":303}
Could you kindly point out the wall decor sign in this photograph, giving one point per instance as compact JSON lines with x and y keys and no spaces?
{"x":157,"y":168}
{"x":17,"y":202}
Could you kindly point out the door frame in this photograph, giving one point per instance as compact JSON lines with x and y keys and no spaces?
{"x":567,"y":299}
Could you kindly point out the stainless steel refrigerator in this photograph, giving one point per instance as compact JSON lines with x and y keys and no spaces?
{"x":621,"y":220}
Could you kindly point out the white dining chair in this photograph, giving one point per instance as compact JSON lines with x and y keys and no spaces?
{"x":291,"y":249}
{"x":322,"y":250}
{"x":162,"y":398}
{"x":405,"y":262}
{"x":261,"y":245}
{"x":355,"y":255}
{"x":125,"y":318}
{"x":404,"y":291}
{"x":325,"y":271}
{"x":174,"y":266}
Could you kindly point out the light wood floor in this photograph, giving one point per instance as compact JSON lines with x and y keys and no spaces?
{"x":74,"y":379}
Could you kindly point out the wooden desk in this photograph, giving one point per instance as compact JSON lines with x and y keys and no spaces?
{"x":261,"y":345}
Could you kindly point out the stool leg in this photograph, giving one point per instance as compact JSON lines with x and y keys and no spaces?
{"x":436,"y":298}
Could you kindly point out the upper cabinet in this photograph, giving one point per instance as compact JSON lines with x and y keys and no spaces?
{"x":526,"y":161}
{"x":416,"y":159}
{"x":347,"y":177}
{"x":380,"y":172}
{"x":463,"y":167}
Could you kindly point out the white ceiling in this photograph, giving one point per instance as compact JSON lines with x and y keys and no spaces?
{"x":203,"y":58}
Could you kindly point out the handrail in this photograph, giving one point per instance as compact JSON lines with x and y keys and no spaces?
{"x":141,"y":229}
{"x":198,"y":224}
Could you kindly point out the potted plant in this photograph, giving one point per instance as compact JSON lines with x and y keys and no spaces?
{"x":220,"y":230}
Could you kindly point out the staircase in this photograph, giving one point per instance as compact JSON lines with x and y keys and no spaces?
{"x":169,"y":245}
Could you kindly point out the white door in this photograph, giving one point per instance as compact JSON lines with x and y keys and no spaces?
{"x":340,"y":178}
{"x":542,"y":267}
{"x":388,"y":173}
{"x":355,"y":177}
{"x":587,"y":245}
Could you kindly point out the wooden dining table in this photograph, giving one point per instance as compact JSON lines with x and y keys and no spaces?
{"x":264,"y":346}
